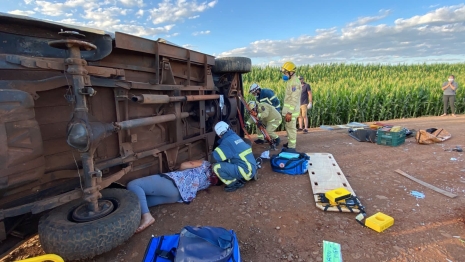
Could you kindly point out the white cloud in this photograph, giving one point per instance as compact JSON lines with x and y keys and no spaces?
{"x":369,"y":19}
{"x":172,"y":35}
{"x":28,"y":1}
{"x":132,"y":2}
{"x":194,"y":17}
{"x":175,"y":10}
{"x":20,"y":12}
{"x":201,"y":33}
{"x":438,"y":33}
{"x":57,"y":9}
{"x":140,"y":13}
{"x":441,"y":15}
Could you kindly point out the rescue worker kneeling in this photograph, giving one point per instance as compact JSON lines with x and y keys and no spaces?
{"x":269,"y":116}
{"x":235,"y":161}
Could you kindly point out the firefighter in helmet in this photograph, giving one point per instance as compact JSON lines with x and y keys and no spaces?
{"x":235,"y":163}
{"x":269,"y":116}
{"x":265,"y":95}
{"x":291,"y":107}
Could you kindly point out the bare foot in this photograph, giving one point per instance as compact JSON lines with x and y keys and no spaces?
{"x":147,"y":220}
{"x":443,"y":115}
{"x":454,"y":115}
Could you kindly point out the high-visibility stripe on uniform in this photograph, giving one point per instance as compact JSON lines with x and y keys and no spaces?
{"x":220,"y":153}
{"x":242,"y":155}
{"x":292,"y":141}
{"x":273,"y":97}
{"x":225,"y":181}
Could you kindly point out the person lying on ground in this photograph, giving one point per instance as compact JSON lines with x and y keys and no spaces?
{"x":177,"y":186}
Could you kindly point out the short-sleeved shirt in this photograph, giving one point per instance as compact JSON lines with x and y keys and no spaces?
{"x":448,"y":91}
{"x":191,"y":180}
{"x":304,"y":96}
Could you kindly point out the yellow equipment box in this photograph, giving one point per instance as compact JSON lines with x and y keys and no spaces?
{"x":379,"y":222}
{"x":337,"y":194}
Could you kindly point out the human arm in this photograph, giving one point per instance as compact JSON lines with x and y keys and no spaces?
{"x":222,"y":153}
{"x":310,"y":98}
{"x":453,"y":86}
{"x":191,"y":164}
{"x":445,"y":85}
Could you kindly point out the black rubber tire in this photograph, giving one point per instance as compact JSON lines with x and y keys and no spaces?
{"x":232,"y":65}
{"x":72,"y":241}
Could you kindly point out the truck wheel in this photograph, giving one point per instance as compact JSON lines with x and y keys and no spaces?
{"x":60,"y":234}
{"x":232,"y":65}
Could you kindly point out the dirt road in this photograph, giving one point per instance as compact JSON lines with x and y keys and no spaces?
{"x":426,"y":229}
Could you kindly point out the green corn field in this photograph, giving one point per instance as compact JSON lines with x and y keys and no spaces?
{"x":344,"y":93}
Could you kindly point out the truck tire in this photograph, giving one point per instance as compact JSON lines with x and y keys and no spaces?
{"x":71,"y":240}
{"x":232,"y":65}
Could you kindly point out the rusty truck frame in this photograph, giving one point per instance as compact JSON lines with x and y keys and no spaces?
{"x":83,"y":110}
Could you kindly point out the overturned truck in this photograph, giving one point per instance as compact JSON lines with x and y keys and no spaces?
{"x":83,"y":111}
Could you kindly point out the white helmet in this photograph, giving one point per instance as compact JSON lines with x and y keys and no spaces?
{"x":254,"y":88}
{"x":252,"y":104}
{"x":221,"y":128}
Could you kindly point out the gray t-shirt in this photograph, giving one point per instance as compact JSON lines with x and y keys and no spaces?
{"x":448,"y":91}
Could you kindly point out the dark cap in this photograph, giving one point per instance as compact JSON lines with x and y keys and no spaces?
{"x":301,"y":77}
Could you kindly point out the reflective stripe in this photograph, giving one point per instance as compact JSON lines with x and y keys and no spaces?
{"x":220,"y":153}
{"x":259,"y":115}
{"x":292,"y":140}
{"x":286,"y":104}
{"x":273,"y":97}
{"x":274,"y":125}
{"x":225,"y":181}
{"x":291,"y":107}
{"x":242,"y":155}
{"x":295,"y":114}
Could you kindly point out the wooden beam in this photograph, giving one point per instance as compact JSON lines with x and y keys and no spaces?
{"x":446,"y":193}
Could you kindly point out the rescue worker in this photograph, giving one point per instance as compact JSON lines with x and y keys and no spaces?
{"x":269,"y":116}
{"x":265,"y":95}
{"x":235,"y":163}
{"x":291,"y":107}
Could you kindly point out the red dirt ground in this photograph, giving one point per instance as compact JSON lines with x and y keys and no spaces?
{"x":275,"y":217}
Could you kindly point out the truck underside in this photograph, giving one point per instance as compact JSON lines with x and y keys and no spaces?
{"x":81,"y":109}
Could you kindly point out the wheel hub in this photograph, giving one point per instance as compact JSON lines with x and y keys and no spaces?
{"x":83,"y":214}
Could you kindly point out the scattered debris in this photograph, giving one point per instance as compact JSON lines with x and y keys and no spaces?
{"x":449,"y":194}
{"x":453,"y":159}
{"x":418,"y":195}
{"x":331,"y":252}
{"x":265,"y":154}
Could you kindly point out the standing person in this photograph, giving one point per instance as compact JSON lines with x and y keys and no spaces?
{"x":235,"y":161}
{"x":172,"y":187}
{"x":448,"y":98}
{"x":291,"y":106}
{"x":306,"y":102}
{"x":265,"y":95}
{"x":269,"y":116}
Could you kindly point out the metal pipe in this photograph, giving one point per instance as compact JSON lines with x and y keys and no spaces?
{"x":151,"y":99}
{"x":164,"y":99}
{"x":124,"y":125}
{"x":201,"y":97}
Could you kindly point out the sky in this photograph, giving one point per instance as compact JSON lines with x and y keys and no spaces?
{"x":272,"y":32}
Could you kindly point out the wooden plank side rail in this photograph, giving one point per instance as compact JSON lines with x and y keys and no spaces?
{"x":446,"y":193}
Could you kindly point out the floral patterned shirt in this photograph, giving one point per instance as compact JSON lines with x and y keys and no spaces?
{"x":191,"y":180}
